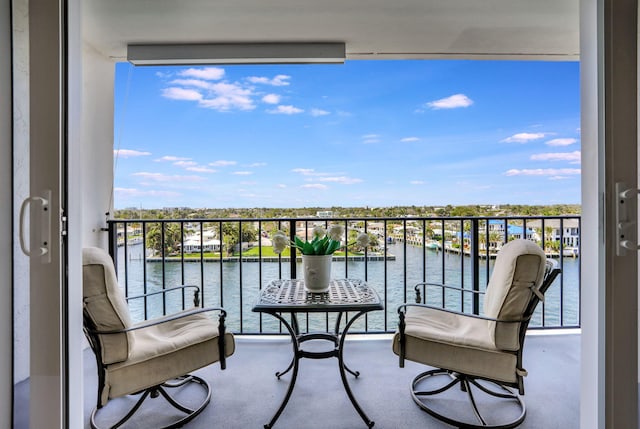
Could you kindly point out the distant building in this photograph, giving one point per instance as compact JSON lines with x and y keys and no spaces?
{"x":324,"y":213}
{"x":570,"y":233}
{"x":567,"y":231}
{"x":194,"y":243}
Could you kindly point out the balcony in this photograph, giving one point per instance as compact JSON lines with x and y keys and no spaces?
{"x":230,"y":272}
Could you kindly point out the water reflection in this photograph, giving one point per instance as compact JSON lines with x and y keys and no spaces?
{"x":237,"y":285}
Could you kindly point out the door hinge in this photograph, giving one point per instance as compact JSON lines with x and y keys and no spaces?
{"x":626,"y":219}
{"x":63,"y":225}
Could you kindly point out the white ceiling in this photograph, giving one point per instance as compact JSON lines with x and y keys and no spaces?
{"x":507,"y":29}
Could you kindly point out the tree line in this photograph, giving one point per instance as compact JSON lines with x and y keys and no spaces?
{"x":379,"y":212}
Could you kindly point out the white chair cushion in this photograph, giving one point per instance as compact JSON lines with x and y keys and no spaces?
{"x":519,"y":267}
{"x":166,"y":351}
{"x":105,"y":303}
{"x":456,"y":342}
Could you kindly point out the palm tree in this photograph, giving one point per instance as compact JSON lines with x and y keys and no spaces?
{"x":172,"y":237}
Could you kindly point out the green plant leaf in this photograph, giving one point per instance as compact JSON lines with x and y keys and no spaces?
{"x":318,"y":245}
{"x":332,"y":247}
{"x":308,"y":249}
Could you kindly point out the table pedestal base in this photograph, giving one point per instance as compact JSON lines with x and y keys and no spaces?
{"x":337,"y":339}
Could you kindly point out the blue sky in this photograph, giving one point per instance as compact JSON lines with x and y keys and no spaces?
{"x":366,"y":133}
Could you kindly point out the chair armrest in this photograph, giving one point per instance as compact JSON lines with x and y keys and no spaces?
{"x":402,"y":311}
{"x":440,"y":285}
{"x":197,"y":288}
{"x":160,"y":321}
{"x":196,"y":294}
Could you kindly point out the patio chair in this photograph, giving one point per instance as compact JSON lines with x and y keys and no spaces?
{"x":481,"y":353}
{"x":152,"y":357}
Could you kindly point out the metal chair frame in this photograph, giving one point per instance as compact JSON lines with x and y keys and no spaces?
{"x":466,"y":381}
{"x":158,"y":390}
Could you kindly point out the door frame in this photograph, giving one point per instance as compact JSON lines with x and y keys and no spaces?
{"x":55,"y":288}
{"x":609,"y":303}
{"x":6,"y":215}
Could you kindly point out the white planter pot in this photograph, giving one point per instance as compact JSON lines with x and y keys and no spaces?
{"x":317,"y":272}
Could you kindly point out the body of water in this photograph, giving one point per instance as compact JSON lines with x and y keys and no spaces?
{"x":236,"y":285}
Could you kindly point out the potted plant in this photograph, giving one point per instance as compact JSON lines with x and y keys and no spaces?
{"x":317,"y":253}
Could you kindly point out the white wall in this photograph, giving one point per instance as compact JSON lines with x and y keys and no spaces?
{"x":97,"y":145}
{"x":76,"y":340}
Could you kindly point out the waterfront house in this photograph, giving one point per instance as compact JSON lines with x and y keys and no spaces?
{"x":513,"y":232}
{"x":194,"y":244}
{"x":569,"y":232}
{"x":565,"y":231}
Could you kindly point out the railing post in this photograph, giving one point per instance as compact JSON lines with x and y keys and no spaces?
{"x":475,"y":263}
{"x":292,"y":249}
{"x":113,"y":242}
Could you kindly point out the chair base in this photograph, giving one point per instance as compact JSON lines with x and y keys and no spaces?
{"x":161,"y":389}
{"x":465,"y":383}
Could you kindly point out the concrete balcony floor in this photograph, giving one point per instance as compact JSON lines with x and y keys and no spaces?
{"x":247,"y":393}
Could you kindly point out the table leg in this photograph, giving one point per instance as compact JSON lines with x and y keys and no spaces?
{"x":294,"y":374}
{"x":296,"y":329}
{"x":343,"y":368}
{"x":356,"y":374}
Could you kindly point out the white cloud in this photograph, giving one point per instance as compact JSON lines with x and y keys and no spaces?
{"x":409,"y":139}
{"x":133,"y":192}
{"x":198,"y":83}
{"x":207,"y":73}
{"x":242,"y":173}
{"x":304,"y":171}
{"x":417,"y":182}
{"x":200,"y":169}
{"x":319,"y":112}
{"x":258,"y":164}
{"x":176,"y":93}
{"x":129,"y":153}
{"x":227,"y":96}
{"x":278,"y":80}
{"x":341,"y":179}
{"x":286,"y":110}
{"x":222,"y":163}
{"x":281,"y":185}
{"x":370,"y":138}
{"x":314,"y":186}
{"x":524,"y":137}
{"x":271,"y":98}
{"x":159,"y":177}
{"x":561,"y":142}
{"x":451,"y":102}
{"x":171,"y":158}
{"x":543,"y":172}
{"x":572,"y":157}
{"x":185,"y":163}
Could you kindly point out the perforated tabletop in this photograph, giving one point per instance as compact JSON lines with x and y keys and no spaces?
{"x":343,"y":295}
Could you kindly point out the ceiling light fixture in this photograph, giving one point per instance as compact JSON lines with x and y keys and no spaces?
{"x":236,"y":53}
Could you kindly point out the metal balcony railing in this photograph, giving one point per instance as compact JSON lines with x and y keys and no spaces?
{"x":231,"y":260}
